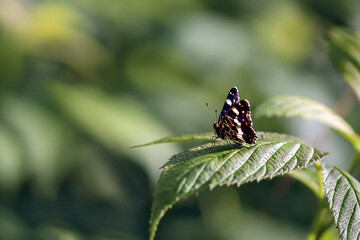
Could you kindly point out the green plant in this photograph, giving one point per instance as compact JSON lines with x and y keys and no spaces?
{"x":275,"y":154}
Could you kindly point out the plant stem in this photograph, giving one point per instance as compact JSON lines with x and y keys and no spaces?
{"x":316,"y":229}
{"x":319,"y":178}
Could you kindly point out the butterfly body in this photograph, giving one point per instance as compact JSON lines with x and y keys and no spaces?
{"x":235,"y":121}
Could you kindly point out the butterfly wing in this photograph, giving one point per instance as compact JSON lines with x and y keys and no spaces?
{"x":237,"y":124}
{"x":231,"y":99}
{"x":244,"y":122}
{"x":235,"y":121}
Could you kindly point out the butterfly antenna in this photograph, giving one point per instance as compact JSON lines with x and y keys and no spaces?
{"x":207,"y":105}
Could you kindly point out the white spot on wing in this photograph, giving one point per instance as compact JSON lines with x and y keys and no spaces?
{"x":237,"y":122}
{"x":235,"y":111}
{"x":228,"y":102}
{"x":240,"y":133}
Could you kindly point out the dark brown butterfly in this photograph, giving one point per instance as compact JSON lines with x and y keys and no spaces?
{"x":235,"y":122}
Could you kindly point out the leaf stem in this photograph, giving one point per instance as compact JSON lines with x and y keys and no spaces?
{"x":354,"y":162}
{"x":319,"y":178}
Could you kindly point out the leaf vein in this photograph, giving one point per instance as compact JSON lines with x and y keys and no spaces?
{"x":266,"y":162}
{"x":242,"y":180}
{"x":196,"y":177}
{"x":234,"y":171}
{"x":326,"y":178}
{"x":333,"y":196}
{"x":343,"y":205}
{"x":224,"y":162}
{"x":351,"y":220}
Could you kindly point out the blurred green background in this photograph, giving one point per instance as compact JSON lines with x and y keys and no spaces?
{"x":83,"y":80}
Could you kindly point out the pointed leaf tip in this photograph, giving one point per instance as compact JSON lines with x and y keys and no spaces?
{"x":207,"y":136}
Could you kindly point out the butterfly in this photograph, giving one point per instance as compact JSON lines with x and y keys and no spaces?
{"x":235,"y":122}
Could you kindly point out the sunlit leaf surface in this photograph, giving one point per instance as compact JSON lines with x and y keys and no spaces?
{"x":208,"y":136}
{"x":342,"y":192}
{"x":205,"y":166}
{"x":296,"y":106}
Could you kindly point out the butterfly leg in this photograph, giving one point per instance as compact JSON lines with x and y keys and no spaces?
{"x":228,"y":141}
{"x":213,"y":139}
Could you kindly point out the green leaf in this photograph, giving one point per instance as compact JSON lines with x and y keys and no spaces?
{"x":99,"y":115}
{"x":342,"y":192}
{"x":205,"y":166}
{"x":208,"y":136}
{"x":43,"y":138}
{"x":115,"y":121}
{"x":12,"y":170}
{"x":344,"y":52}
{"x":180,"y":138}
{"x":296,"y":106}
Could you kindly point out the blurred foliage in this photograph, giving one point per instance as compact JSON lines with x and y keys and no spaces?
{"x":83,"y":80}
{"x":344,"y":51}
